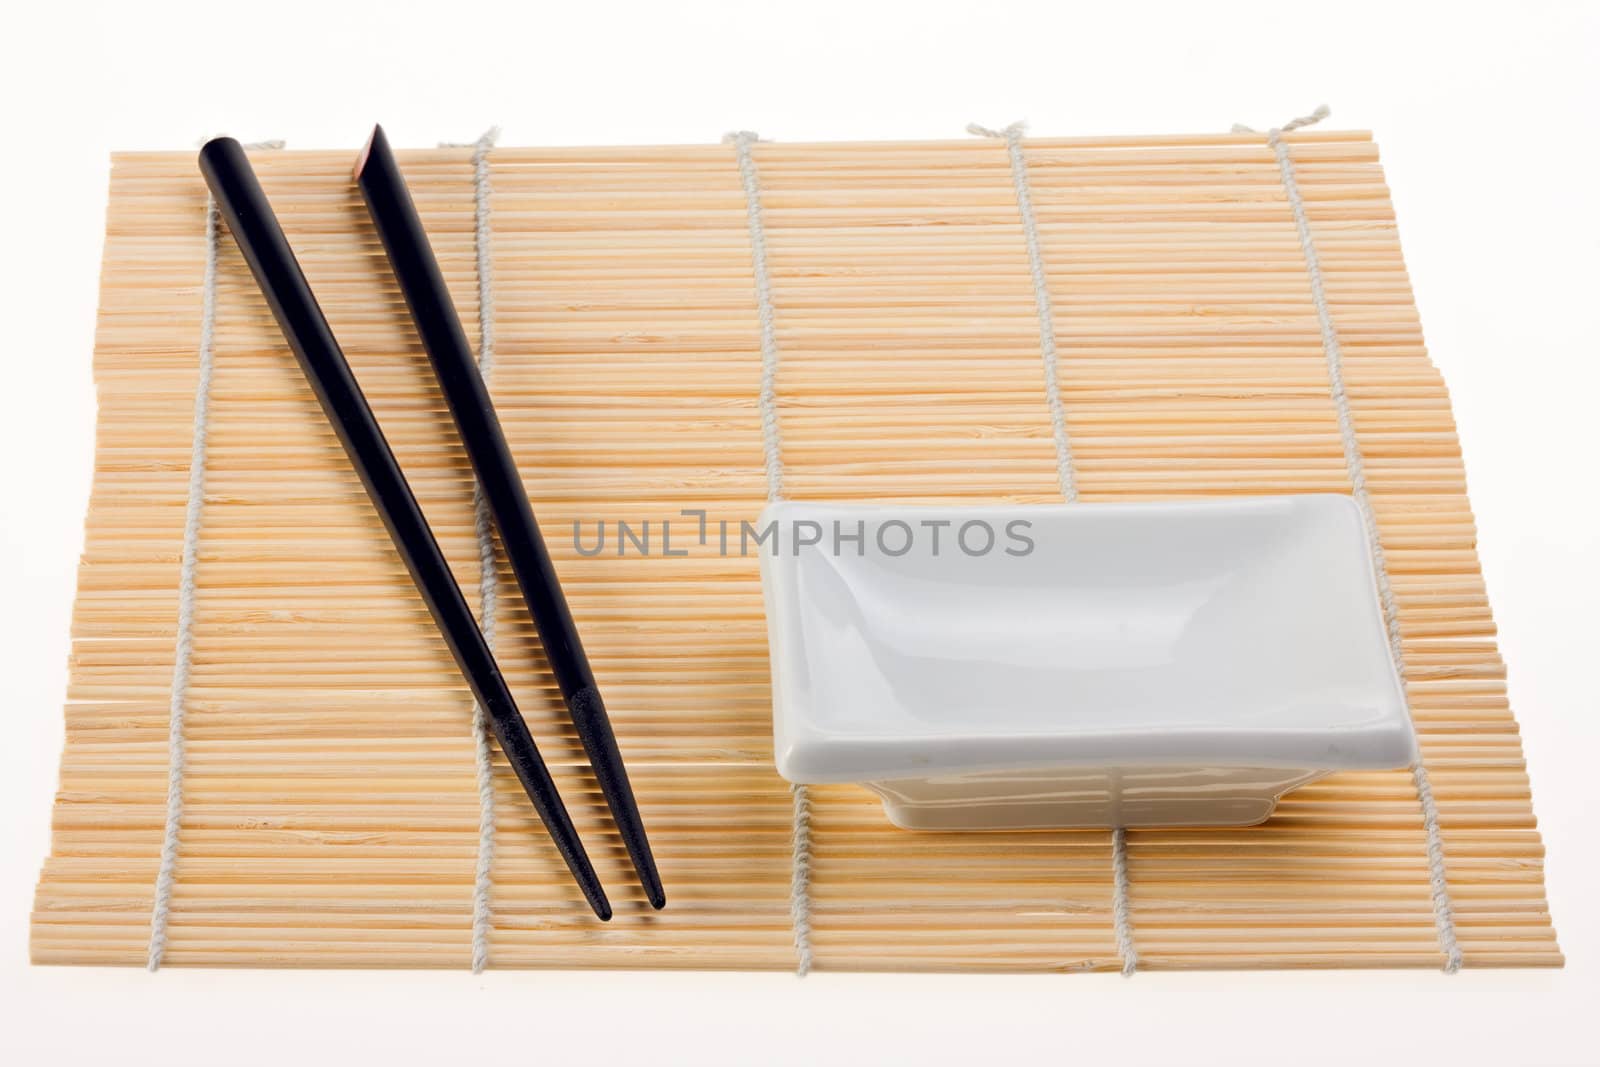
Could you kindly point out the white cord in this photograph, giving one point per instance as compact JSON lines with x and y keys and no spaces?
{"x":1121,"y":908}
{"x":183,"y":651}
{"x":1443,"y":910}
{"x":772,"y":447}
{"x":488,"y":573}
{"x":1012,"y":136}
{"x":771,"y":439}
{"x":800,"y":879}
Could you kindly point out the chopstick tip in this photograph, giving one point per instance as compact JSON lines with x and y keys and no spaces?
{"x":366,"y":150}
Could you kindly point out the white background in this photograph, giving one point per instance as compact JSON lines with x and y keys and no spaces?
{"x":1485,"y":119}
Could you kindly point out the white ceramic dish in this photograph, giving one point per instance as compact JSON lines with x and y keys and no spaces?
{"x":1139,"y":665}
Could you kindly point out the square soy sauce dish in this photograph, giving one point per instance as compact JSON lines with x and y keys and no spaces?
{"x":1078,"y":665}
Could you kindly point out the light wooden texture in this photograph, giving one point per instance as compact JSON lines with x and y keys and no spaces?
{"x":331,"y":817}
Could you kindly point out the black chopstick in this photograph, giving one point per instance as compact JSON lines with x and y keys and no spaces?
{"x":411,"y":257}
{"x":254,"y":226}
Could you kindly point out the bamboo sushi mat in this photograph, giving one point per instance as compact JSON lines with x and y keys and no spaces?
{"x":901,"y":311}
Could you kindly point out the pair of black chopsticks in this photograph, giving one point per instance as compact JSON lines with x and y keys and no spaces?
{"x":254,"y":226}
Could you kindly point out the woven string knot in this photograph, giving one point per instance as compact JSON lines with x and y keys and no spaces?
{"x":1312,"y":119}
{"x":1004,"y":133}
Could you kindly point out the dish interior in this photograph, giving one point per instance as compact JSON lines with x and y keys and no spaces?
{"x":1136,"y":621}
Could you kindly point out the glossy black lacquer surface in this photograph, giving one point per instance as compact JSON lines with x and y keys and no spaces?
{"x":411,"y":256}
{"x":254,"y":226}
